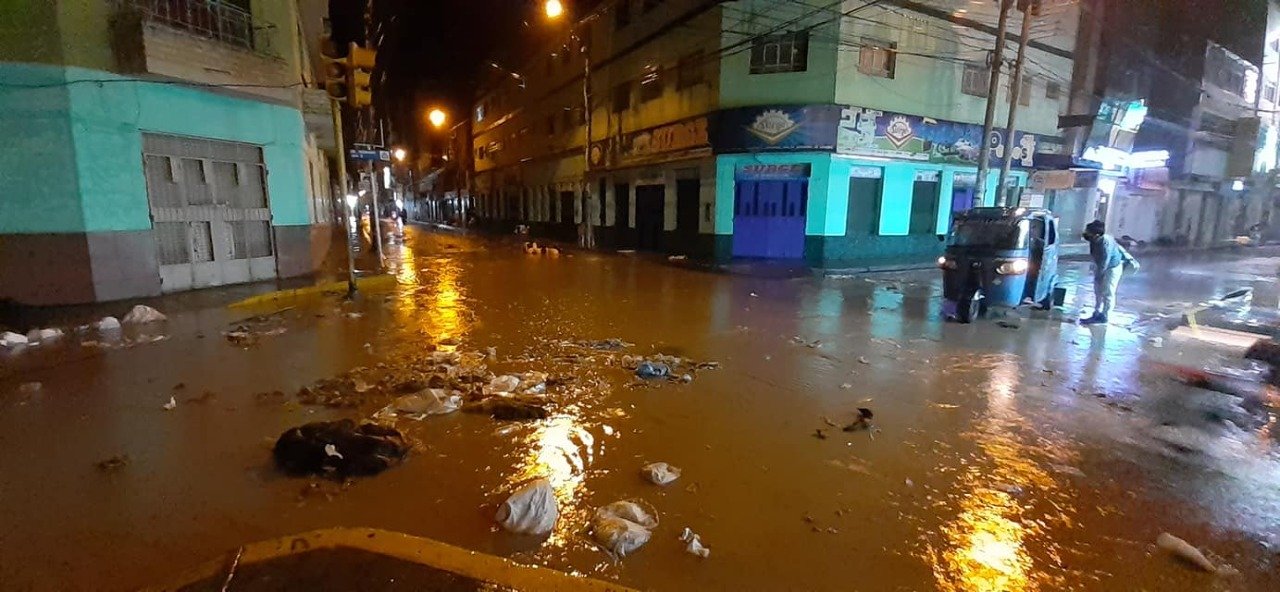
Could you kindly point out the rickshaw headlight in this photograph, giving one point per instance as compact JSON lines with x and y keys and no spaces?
{"x":1012,"y":267}
{"x":946,"y":262}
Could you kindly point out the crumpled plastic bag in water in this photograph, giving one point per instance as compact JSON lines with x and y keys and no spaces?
{"x":142,"y":314}
{"x":660,"y":473}
{"x":503,"y":384}
{"x":622,"y":527}
{"x":653,"y":370}
{"x":694,"y":546}
{"x":532,"y":509}
{"x":427,"y":402}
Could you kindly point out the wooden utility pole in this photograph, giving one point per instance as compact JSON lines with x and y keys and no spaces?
{"x":1029,"y":8}
{"x":993,"y":91}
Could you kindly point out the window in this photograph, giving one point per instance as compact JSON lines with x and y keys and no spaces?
{"x":1052,"y":90}
{"x":975,"y":81}
{"x":1024,"y":92}
{"x":876,"y":58}
{"x":621,"y":97}
{"x":480,"y":112}
{"x":622,"y":14}
{"x":691,"y":71}
{"x":788,"y":52}
{"x":651,"y":84}
{"x":1269,"y":92}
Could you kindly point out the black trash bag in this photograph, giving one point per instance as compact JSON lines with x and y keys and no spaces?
{"x":339,"y":448}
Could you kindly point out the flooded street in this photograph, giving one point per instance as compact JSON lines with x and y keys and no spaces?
{"x":1040,"y":455}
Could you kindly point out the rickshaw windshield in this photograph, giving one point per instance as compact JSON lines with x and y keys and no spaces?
{"x":994,"y":234}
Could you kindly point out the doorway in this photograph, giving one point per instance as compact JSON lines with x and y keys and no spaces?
{"x":650,"y":216}
{"x":769,"y":218}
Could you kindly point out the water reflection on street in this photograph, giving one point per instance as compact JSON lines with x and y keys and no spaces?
{"x":1000,"y":459}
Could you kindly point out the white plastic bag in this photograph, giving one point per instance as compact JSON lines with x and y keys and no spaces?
{"x":694,"y":546}
{"x":11,"y":339}
{"x":503,"y":384}
{"x":141,"y":314}
{"x":532,"y":509}
{"x":427,"y":402}
{"x":660,"y":473}
{"x":108,"y":324}
{"x":622,"y":527}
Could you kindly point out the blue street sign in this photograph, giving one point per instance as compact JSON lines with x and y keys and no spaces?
{"x":375,"y":155}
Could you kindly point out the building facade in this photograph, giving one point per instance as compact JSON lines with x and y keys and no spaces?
{"x":154,"y":146}
{"x":1183,"y":147}
{"x":842,"y":135}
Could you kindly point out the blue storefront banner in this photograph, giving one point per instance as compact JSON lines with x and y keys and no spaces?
{"x":885,"y":134}
{"x":775,"y":128}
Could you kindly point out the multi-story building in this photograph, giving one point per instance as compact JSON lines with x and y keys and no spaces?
{"x":154,"y":146}
{"x":1185,"y":135}
{"x":840,"y":133}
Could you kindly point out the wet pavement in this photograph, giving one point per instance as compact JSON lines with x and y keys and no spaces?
{"x":1038,"y":455}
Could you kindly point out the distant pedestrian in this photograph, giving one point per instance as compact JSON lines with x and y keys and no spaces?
{"x":1109,"y":262}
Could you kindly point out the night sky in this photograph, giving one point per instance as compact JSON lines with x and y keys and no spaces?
{"x":435,"y":52}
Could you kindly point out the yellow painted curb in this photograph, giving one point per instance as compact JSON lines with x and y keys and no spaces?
{"x":418,"y":550}
{"x":371,"y":283}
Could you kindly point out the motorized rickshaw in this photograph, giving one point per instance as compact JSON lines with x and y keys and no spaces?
{"x":1000,"y":257}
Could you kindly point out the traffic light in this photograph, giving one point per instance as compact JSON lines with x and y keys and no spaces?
{"x":348,"y":78}
{"x":335,"y":70}
{"x":360,"y":62}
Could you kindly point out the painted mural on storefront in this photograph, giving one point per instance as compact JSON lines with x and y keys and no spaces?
{"x":776,"y":128}
{"x":885,"y":134}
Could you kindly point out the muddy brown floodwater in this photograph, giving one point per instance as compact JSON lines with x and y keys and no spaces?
{"x":1042,"y":457}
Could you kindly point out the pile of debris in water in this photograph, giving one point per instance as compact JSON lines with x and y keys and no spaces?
{"x":435,"y":383}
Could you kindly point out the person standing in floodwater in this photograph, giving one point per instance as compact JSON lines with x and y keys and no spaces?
{"x":1109,"y":262}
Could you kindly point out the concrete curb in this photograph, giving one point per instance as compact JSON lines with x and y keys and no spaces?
{"x":371,"y":283}
{"x":505,"y":573}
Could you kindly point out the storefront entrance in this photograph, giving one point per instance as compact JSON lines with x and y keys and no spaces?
{"x":769,"y":209}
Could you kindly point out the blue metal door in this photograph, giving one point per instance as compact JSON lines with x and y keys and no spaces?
{"x":769,"y":218}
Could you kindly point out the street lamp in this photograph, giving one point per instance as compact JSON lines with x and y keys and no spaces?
{"x":436,"y":117}
{"x":553,"y":8}
{"x":399,"y":153}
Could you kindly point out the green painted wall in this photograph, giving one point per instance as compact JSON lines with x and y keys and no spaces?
{"x":839,"y":235}
{"x":77,"y":165}
{"x":925,"y":85}
{"x":816,"y":84}
{"x":40,"y":191}
{"x":29,"y":31}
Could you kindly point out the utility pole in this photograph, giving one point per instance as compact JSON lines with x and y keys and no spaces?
{"x":1029,"y":8}
{"x":993,"y":91}
{"x":336,"y":107}
{"x":376,"y":218}
{"x":588,"y":237}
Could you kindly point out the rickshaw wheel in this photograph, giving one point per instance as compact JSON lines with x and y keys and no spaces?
{"x":969,"y":309}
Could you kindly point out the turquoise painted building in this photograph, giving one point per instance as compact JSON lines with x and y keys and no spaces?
{"x":148,"y":152}
{"x":840,"y":135}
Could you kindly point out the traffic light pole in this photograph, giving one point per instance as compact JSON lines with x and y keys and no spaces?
{"x":1015,"y":89}
{"x":376,"y":218}
{"x":988,"y":120}
{"x":342,"y":184}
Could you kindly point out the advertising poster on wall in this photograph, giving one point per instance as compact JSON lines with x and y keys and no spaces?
{"x":885,"y":134}
{"x":776,"y":128}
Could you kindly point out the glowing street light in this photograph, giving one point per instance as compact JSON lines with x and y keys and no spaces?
{"x":553,"y":8}
{"x":399,"y":153}
{"x":436,"y":117}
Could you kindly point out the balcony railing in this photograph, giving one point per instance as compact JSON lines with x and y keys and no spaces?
{"x":207,"y":18}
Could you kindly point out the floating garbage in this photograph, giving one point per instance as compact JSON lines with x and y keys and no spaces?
{"x":694,"y":546}
{"x":862,"y":421}
{"x":660,"y":473}
{"x":365,"y":449}
{"x":38,"y":336}
{"x":532,"y":509}
{"x":1192,"y":556}
{"x":108,"y":324}
{"x":171,"y":405}
{"x":29,"y":388}
{"x":11,"y":339}
{"x":504,"y":384}
{"x":112,"y":464}
{"x":142,"y":314}
{"x":622,"y":527}
{"x":649,"y":370}
{"x":427,"y":403}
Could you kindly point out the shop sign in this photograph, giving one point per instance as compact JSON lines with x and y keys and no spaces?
{"x":775,"y":128}
{"x":683,"y":135}
{"x":764,"y":172}
{"x":885,"y":134}
{"x":1044,"y":180}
